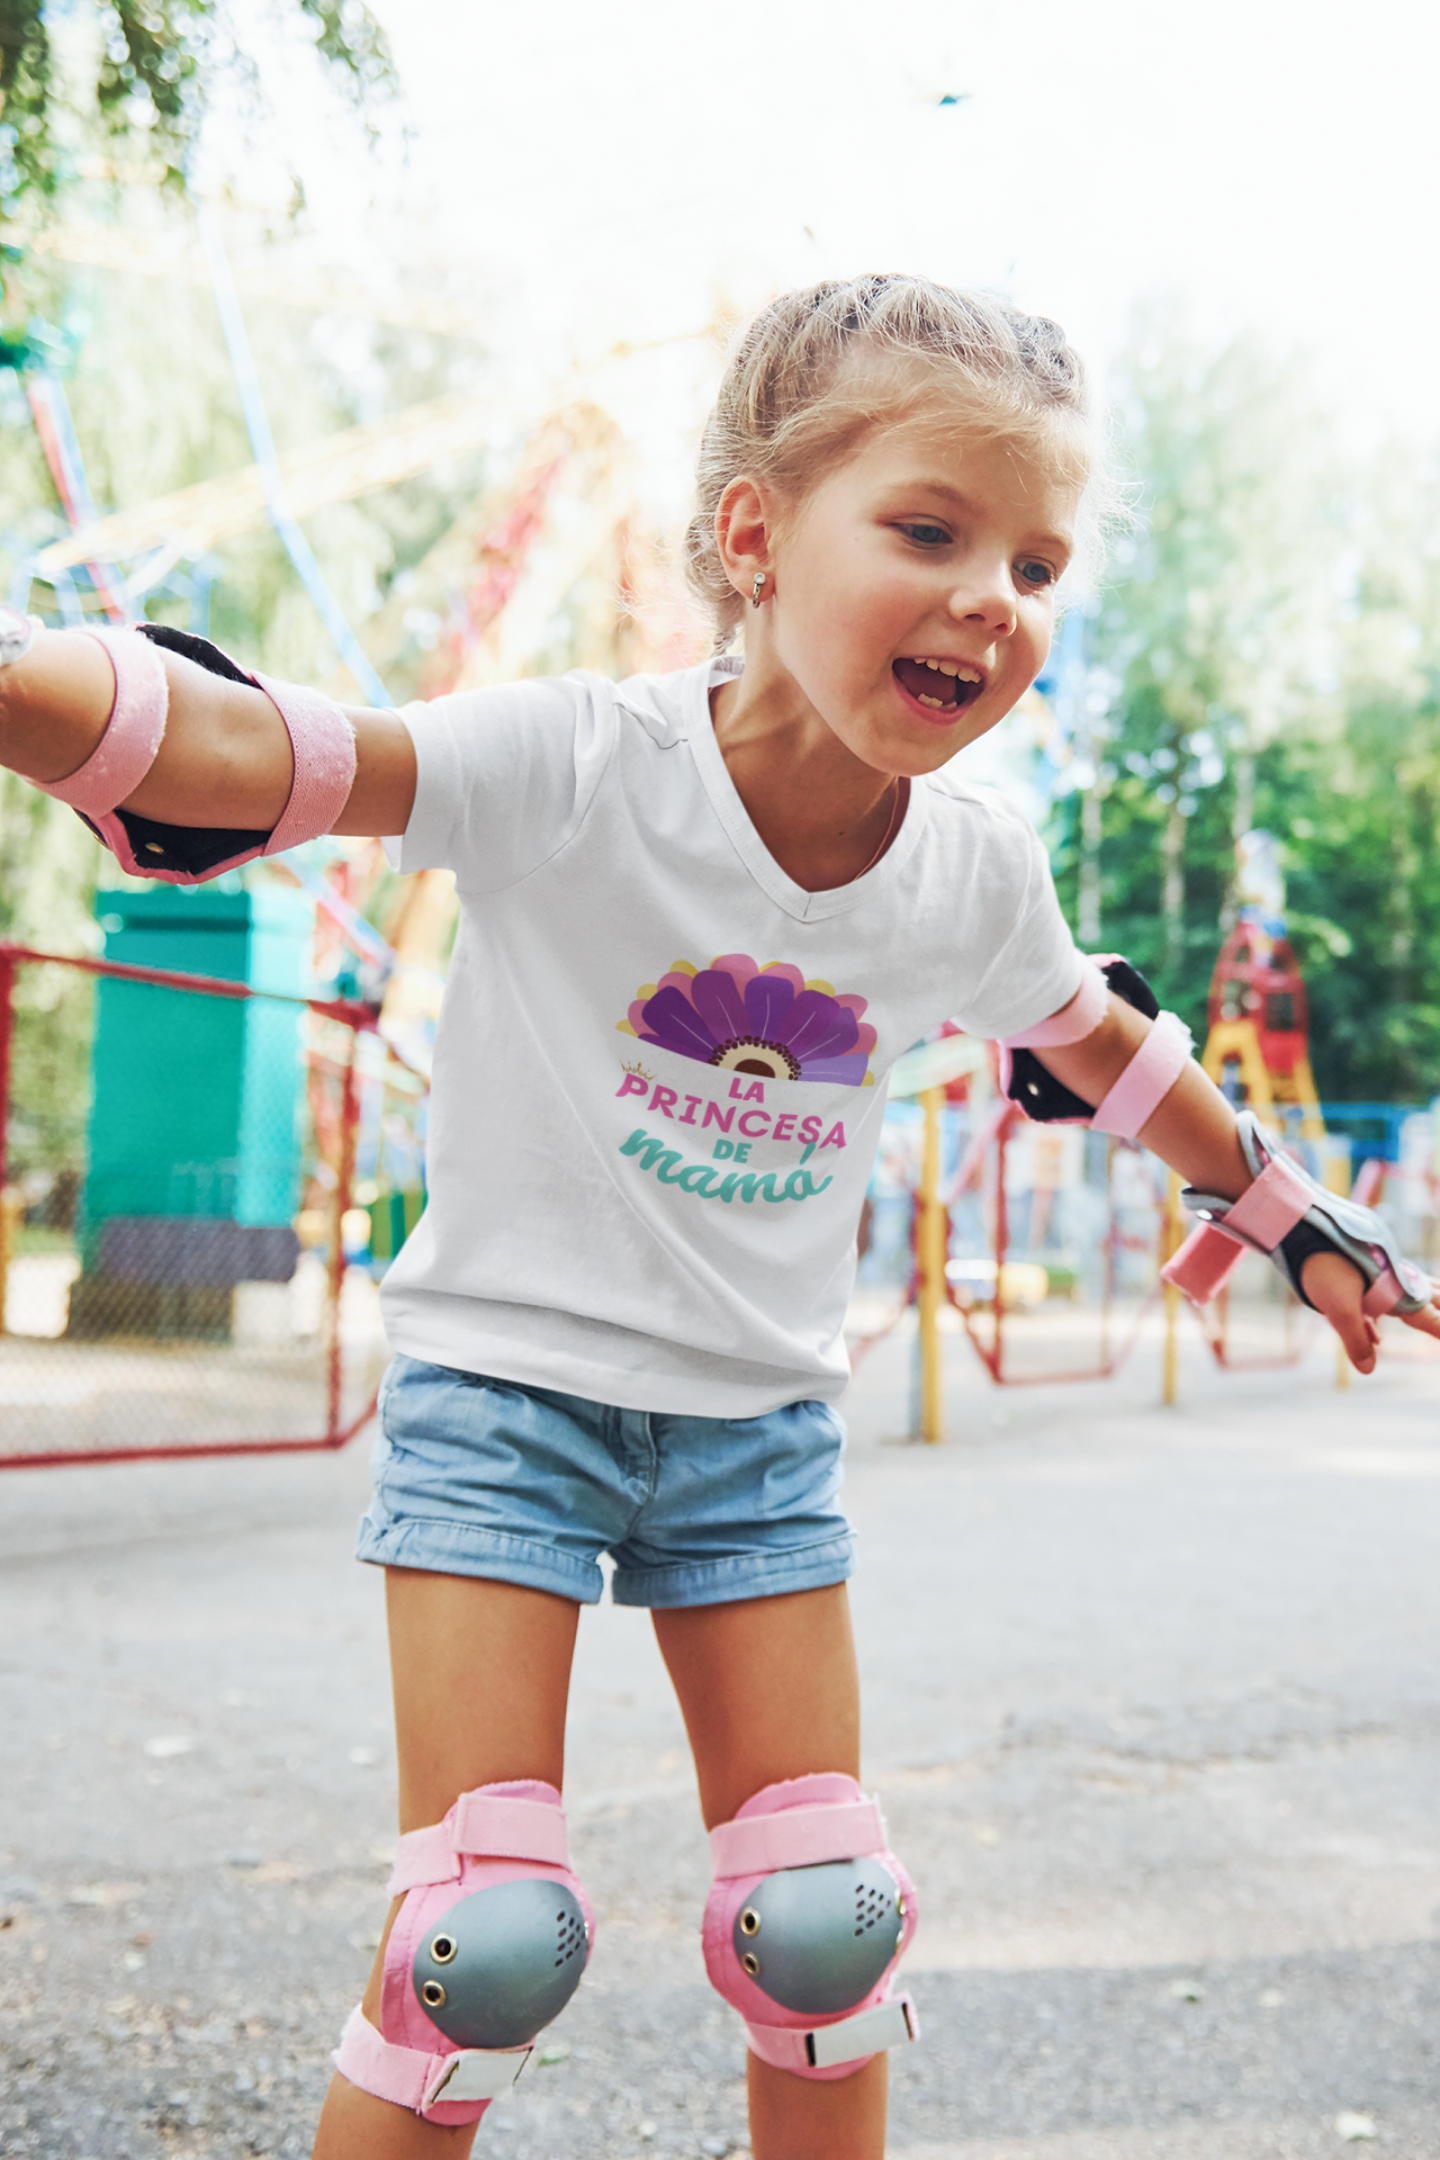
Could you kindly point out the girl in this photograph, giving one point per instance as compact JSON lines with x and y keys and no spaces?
{"x":700,"y":916}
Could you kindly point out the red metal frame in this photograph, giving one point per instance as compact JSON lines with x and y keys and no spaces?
{"x":1264,"y":969}
{"x":7,"y":1035}
{"x":992,"y":1357}
{"x":343,"y":1009}
{"x":996,"y":1131}
{"x":358,"y":1018}
{"x":1216,"y":1339}
{"x":328,"y":1443}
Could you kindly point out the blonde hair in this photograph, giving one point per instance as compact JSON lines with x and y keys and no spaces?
{"x":817,"y":368}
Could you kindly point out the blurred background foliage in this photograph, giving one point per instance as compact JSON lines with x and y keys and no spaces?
{"x":144,"y":73}
{"x":155,"y":408}
{"x":1264,"y":650}
{"x":1266,"y":653}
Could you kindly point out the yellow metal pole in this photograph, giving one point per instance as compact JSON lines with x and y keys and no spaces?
{"x":930,"y":1252}
{"x":12,"y":1208}
{"x":1170,"y":1242}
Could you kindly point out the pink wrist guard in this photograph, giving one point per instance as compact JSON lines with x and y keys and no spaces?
{"x":1283,"y":1199}
{"x":322,"y":745}
{"x":1141,"y":1087}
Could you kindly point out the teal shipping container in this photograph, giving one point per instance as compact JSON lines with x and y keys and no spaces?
{"x":197,"y":1101}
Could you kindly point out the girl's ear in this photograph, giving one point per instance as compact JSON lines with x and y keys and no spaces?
{"x":744,"y":532}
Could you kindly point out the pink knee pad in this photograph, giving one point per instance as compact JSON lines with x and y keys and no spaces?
{"x":490,"y":1944}
{"x":322,"y":745}
{"x":807,"y":1918}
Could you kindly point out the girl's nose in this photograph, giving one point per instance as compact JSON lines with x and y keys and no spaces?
{"x":986,"y":596}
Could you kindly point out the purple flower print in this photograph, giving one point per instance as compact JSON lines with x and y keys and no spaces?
{"x":748,"y":1019}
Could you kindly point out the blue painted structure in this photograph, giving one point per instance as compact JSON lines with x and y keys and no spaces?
{"x":196,"y":1105}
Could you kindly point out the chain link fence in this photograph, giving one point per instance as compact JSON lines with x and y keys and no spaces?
{"x":202,"y":1182}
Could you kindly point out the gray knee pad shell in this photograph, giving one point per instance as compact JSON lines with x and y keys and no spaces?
{"x":497,"y":1966}
{"x":817,"y":1939}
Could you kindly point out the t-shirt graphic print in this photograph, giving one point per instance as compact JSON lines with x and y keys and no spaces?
{"x":758,"y":1026}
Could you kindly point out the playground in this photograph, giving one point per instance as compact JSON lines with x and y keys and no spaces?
{"x":207,"y":1279}
{"x":1147,"y":1594}
{"x":1156,"y":1719}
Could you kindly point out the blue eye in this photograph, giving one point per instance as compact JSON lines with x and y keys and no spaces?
{"x":1037,"y":574}
{"x":927,"y":535}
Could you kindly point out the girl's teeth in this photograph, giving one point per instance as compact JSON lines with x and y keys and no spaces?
{"x":947,"y":667}
{"x":938,"y":703}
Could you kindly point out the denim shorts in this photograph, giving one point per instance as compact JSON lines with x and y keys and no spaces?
{"x":474,"y":1476}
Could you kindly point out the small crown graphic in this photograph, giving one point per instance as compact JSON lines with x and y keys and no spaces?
{"x":639,"y":1070}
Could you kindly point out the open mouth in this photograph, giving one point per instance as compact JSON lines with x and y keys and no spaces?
{"x":942,"y":685}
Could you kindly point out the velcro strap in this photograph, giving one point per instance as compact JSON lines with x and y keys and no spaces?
{"x":1147,"y":1079}
{"x":322,"y":743}
{"x":133,"y":733}
{"x":415,"y":2079}
{"x":797,"y":1837}
{"x":477,"y":2074}
{"x":423,"y":1857}
{"x":825,"y":2047}
{"x":1204,"y":1263}
{"x":1394,"y":1282}
{"x":1080,"y":1018}
{"x":499,"y":1825}
{"x":509,"y":1828}
{"x":1274,"y":1204}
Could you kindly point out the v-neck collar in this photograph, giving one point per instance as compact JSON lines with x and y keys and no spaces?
{"x":724,"y":796}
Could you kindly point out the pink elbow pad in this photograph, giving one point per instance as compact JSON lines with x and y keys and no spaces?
{"x":1141,"y":1087}
{"x":1147,"y":1079}
{"x":322,"y":745}
{"x":1080,"y":1018}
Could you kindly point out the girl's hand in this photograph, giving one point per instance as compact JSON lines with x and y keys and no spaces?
{"x":1336,"y":1289}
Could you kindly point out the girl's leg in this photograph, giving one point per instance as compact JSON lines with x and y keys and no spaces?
{"x":481,"y":1673}
{"x":769,"y":1690}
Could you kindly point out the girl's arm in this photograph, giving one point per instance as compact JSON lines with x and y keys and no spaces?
{"x":225,"y":759}
{"x":1193,"y":1130}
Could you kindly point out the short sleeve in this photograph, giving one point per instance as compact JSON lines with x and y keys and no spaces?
{"x":505,"y":776}
{"x":1036,"y":969}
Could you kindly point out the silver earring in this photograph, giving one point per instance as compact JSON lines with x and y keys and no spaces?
{"x":755,"y":588}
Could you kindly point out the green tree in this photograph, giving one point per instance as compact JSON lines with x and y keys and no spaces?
{"x":153,"y":68}
{"x":1268,"y":653}
{"x":1361,"y":804}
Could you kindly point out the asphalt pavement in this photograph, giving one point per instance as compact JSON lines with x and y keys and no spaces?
{"x":1152,"y":1703}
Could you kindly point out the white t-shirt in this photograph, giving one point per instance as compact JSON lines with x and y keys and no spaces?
{"x":660,"y":1066}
